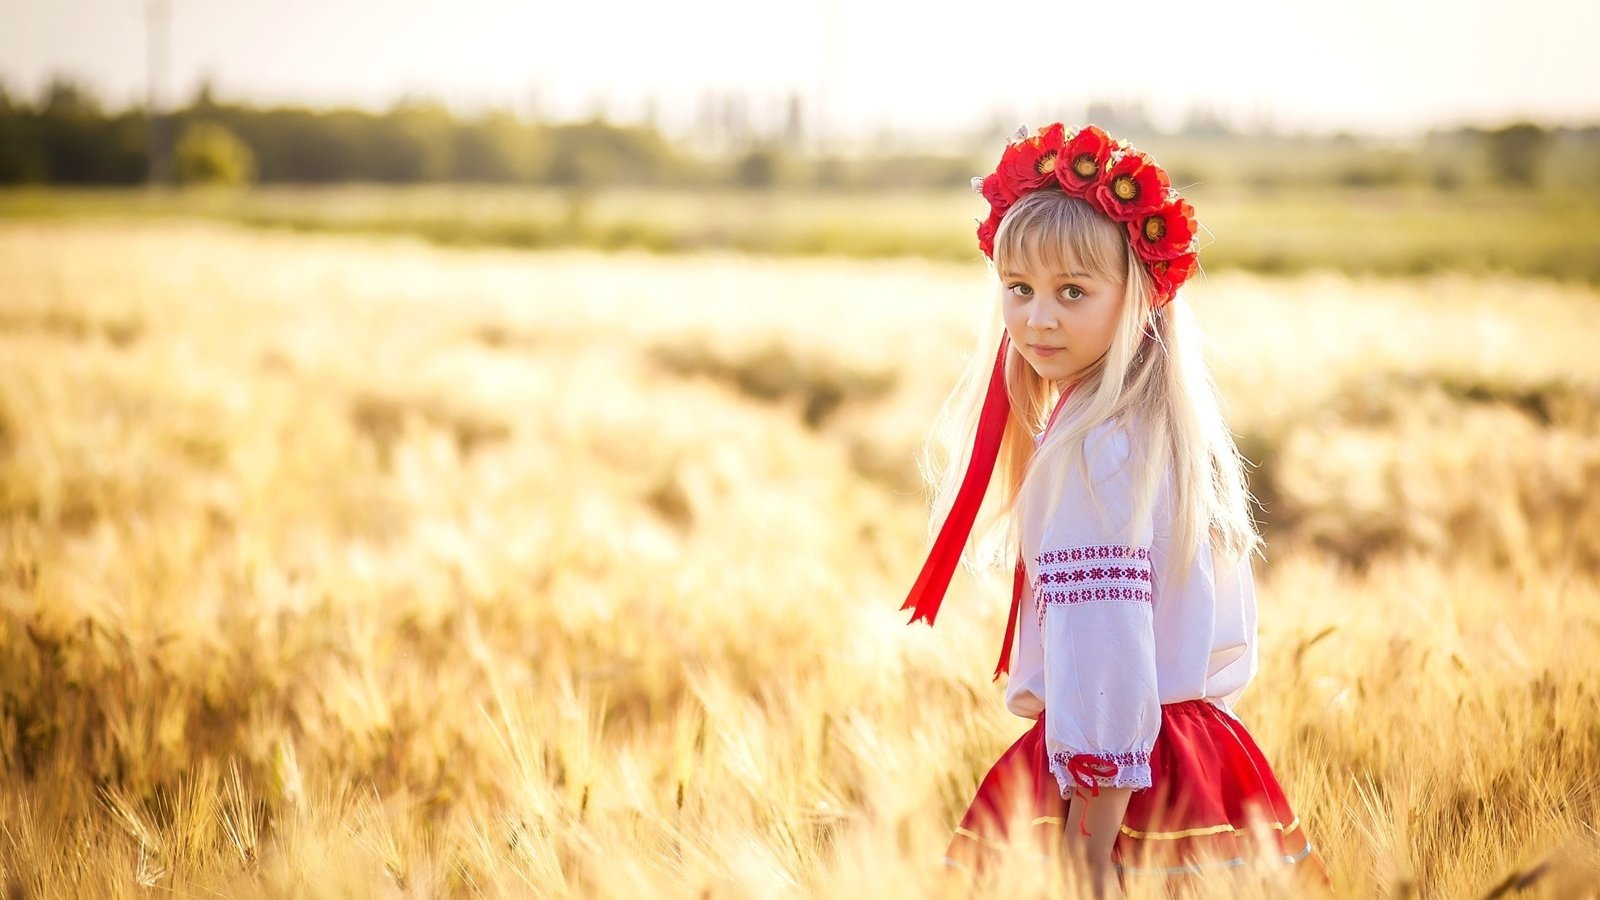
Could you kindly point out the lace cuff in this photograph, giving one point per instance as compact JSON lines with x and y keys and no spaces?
{"x":1092,"y":771}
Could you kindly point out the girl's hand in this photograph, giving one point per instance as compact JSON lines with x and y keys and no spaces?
{"x":1090,"y":857}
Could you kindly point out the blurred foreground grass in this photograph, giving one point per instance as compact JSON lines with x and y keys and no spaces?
{"x":1271,"y":229}
{"x":336,"y":566}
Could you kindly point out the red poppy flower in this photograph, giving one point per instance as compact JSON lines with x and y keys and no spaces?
{"x":998,"y":193}
{"x":1029,"y":164}
{"x":1083,"y":159}
{"x":1134,"y":185}
{"x":1165,"y":232}
{"x":1053,"y":136}
{"x":986,"y":231}
{"x":1170,"y":274}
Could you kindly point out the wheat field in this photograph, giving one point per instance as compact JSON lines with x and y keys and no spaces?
{"x":356,"y":567}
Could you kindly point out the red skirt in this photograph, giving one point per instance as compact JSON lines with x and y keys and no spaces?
{"x":1213,"y":804}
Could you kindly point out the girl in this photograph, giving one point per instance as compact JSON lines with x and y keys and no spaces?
{"x":1129,"y":509}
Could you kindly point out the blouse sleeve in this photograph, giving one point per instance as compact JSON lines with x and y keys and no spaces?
{"x":1092,"y":594}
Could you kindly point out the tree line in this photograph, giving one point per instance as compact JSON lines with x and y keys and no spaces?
{"x":67,"y":137}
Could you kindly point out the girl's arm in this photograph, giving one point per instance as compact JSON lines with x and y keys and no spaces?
{"x":1093,"y":595}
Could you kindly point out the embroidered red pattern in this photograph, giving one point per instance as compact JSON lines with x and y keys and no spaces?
{"x":1091,"y":573}
{"x":1097,"y":573}
{"x":1093,"y":551}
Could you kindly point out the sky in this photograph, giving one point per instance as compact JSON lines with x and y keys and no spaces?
{"x":1367,"y":66}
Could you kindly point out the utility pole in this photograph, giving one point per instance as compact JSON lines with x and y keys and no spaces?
{"x":158,"y":148}
{"x":822,"y":129}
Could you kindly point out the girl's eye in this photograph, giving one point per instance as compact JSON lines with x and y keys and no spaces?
{"x":1069,"y":290}
{"x":1021,"y":290}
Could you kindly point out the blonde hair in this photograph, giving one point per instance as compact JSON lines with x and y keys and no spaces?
{"x":1154,"y":380}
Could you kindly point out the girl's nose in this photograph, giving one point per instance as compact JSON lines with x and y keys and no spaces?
{"x":1040,"y":318}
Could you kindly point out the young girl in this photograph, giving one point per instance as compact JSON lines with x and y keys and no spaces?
{"x":1128,"y":505}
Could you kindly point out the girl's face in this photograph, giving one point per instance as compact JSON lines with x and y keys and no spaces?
{"x":1061,"y":322}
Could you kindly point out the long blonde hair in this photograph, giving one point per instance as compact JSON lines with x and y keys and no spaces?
{"x":1154,"y":380}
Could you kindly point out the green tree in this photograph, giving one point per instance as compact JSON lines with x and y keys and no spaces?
{"x":493,"y":148}
{"x":414,"y":141}
{"x":758,"y":167}
{"x":1516,"y":153}
{"x":209,"y":153}
{"x":596,"y":153}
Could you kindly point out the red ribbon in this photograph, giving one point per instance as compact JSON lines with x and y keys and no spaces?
{"x":934,"y":579}
{"x":1084,"y":768}
{"x":1017,"y":582}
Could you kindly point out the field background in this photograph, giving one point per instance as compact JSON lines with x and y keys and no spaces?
{"x":1310,"y":223}
{"x":341,"y":564}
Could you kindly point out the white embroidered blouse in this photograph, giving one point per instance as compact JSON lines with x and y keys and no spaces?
{"x":1106,"y":646}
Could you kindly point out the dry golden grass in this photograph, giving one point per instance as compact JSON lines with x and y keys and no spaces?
{"x":343,"y":567}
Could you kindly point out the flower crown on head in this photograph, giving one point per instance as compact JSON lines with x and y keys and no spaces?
{"x":1114,"y":178}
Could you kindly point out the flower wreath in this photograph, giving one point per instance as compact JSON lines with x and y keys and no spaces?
{"x":1115,"y":178}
